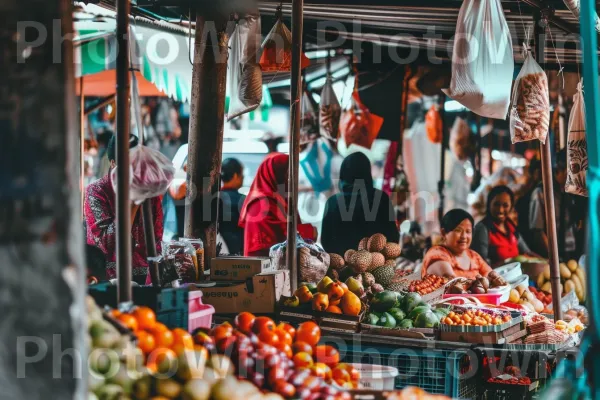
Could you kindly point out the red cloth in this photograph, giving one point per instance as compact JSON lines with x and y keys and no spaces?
{"x":389,"y":171}
{"x":264,"y":213}
{"x":503,"y":245}
{"x":100,"y":215}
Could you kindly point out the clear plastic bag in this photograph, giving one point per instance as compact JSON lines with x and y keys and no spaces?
{"x":330,"y":112}
{"x":244,"y":77}
{"x":530,"y":110}
{"x":276,"y":53}
{"x":151,"y":174}
{"x":577,"y":158}
{"x":313,"y":261}
{"x":181,"y":260}
{"x":482,"y":59}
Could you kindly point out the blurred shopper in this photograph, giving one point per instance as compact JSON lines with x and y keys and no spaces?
{"x":231,"y":201}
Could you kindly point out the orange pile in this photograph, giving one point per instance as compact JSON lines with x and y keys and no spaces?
{"x":155,"y":340}
{"x":474,"y":318}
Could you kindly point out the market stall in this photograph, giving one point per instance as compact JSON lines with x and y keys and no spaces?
{"x":455,"y":328}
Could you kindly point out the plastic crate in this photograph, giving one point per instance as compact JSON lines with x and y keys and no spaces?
{"x":169,"y":304}
{"x":200,"y":314}
{"x":443,"y":372}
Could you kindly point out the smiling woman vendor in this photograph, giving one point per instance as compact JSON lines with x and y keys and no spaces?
{"x":454,"y":258}
{"x":496,"y":238}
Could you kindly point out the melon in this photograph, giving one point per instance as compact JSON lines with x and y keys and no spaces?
{"x":362,"y":245}
{"x":361,"y":261}
{"x":376,"y":243}
{"x":391,"y":251}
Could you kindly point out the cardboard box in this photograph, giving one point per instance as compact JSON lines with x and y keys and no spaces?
{"x":258,"y":295}
{"x":238,"y":268}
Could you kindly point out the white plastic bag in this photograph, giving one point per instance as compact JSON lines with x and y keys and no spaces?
{"x":244,"y":77}
{"x":330,"y":112}
{"x":577,"y":158}
{"x":151,"y":174}
{"x":482,"y":59}
{"x":530,"y":109}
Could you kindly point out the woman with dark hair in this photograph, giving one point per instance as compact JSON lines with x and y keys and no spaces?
{"x":264,"y":213}
{"x":231,"y":200}
{"x":100,"y":211}
{"x":496,"y":238}
{"x":358,"y":211}
{"x":454,"y":258}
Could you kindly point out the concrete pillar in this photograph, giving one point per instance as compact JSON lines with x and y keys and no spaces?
{"x":42,"y":284}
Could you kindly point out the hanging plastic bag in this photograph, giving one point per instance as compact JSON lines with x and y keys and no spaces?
{"x":313,"y":261}
{"x":433,"y":125}
{"x":577,"y":158}
{"x":461,"y":141}
{"x":244,"y":77}
{"x":482,"y":59}
{"x":277,"y":49}
{"x":330,"y":112}
{"x":316,"y":164}
{"x":309,"y":124}
{"x":358,"y":125}
{"x":530,"y":110}
{"x":575,"y":7}
{"x":151,"y":174}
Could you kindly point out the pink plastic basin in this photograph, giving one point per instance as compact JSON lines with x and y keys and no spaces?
{"x":488,"y":298}
{"x":200,"y":315}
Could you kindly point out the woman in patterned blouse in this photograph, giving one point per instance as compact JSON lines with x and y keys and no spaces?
{"x":100,"y":215}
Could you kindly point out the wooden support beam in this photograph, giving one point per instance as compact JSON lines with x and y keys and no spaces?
{"x":207,"y":113}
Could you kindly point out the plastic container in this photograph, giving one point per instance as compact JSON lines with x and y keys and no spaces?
{"x":376,"y":377}
{"x":200,"y":314}
{"x":522,"y":280}
{"x":487,"y":298}
{"x":511,"y":271}
{"x":504,"y":292}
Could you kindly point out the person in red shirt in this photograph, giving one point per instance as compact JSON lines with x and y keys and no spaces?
{"x":496,"y":237}
{"x":264,"y":213}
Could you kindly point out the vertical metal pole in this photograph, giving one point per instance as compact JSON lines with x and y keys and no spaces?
{"x":591,"y":94}
{"x":124,"y":270}
{"x":207,"y":118}
{"x":404,"y":105}
{"x":539,"y":38}
{"x":295,"y":110}
{"x":442,"y":181}
{"x":82,"y":141}
{"x":150,"y":241}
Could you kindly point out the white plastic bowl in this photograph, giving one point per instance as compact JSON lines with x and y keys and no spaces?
{"x":376,"y":377}
{"x":522,"y":280}
{"x":510,"y":272}
{"x":504,"y":290}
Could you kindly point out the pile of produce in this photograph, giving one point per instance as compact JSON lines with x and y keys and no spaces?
{"x":479,"y":285}
{"x":572,"y":278}
{"x":121,"y":371}
{"x":284,"y":360}
{"x":392,"y":310}
{"x":328,"y":296}
{"x":532,"y":302}
{"x":476,"y":317}
{"x":374,"y":256}
{"x":544,"y":297}
{"x":429,"y":283}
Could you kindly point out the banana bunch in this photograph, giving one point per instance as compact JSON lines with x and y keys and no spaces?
{"x":572,"y":278}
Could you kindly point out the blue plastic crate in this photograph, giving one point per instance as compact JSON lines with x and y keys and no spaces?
{"x":445,"y":372}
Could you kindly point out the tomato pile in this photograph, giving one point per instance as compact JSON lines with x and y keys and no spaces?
{"x":474,"y":318}
{"x":512,"y":381}
{"x":428,"y":284}
{"x":280,"y":358}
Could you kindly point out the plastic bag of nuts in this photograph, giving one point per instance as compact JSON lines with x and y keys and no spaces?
{"x":530,"y":110}
{"x":181,"y":257}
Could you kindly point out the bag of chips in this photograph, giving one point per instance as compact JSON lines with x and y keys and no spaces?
{"x":330,"y":112}
{"x":577,"y":158}
{"x":530,"y":110}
